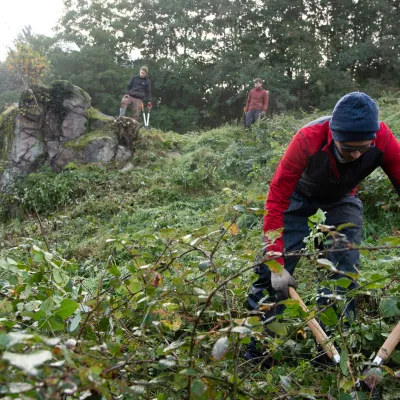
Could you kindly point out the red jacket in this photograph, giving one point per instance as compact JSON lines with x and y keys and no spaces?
{"x":257,"y":100}
{"x":310,"y":168}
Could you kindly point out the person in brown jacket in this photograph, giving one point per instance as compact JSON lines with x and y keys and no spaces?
{"x":257,"y":103}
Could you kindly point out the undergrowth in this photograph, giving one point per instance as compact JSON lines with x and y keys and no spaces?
{"x":133,"y":284}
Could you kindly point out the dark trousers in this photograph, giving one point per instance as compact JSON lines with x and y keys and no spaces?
{"x":349,"y":209}
{"x":251,"y":117}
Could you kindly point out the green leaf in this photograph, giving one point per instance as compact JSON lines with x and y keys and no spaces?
{"x":135,"y":286}
{"x":47,"y":306}
{"x":113,"y":270}
{"x":39,"y":257}
{"x":66,"y":308}
{"x":174,"y":345}
{"x":56,"y":323}
{"x":329,"y":317}
{"x":189,"y":372}
{"x":327,"y":264}
{"x":343,"y":282}
{"x":343,"y":362}
{"x":28,"y":362}
{"x":198,"y":387}
{"x":277,"y":328}
{"x":395,"y":356}
{"x":318,"y":218}
{"x":390,"y":240}
{"x":274,"y":266}
{"x":167,"y":232}
{"x":242,"y":330}
{"x":389,"y":307}
{"x":286,"y":382}
{"x":75,"y":322}
{"x":203,"y":265}
{"x":58,"y":277}
{"x":186,"y":239}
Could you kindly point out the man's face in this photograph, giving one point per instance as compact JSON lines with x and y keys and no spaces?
{"x":142,"y":74}
{"x":257,"y":85}
{"x":350,"y":151}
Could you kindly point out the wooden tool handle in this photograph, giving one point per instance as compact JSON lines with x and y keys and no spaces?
{"x":390,"y":343}
{"x":317,"y":330}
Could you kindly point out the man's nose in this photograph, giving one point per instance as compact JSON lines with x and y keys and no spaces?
{"x":356,"y":154}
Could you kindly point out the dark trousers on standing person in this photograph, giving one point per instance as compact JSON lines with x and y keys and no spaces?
{"x":251,"y":117}
{"x":349,"y":209}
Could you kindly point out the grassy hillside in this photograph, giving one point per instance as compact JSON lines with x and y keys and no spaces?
{"x":143,"y":275}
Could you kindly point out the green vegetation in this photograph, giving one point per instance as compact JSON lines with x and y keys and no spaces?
{"x":133,"y":284}
{"x":308,"y":52}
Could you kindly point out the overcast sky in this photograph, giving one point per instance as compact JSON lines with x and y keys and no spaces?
{"x":42,"y":15}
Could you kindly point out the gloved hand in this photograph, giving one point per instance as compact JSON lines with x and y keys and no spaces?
{"x":281,"y":282}
{"x":149,"y":105}
{"x":262,"y":114}
{"x":127,"y":95}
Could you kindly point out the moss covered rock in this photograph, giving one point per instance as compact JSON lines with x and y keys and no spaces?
{"x":55,"y":126}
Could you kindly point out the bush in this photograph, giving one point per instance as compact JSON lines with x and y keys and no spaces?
{"x":46,"y":191}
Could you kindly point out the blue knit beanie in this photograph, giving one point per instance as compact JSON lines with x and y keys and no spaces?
{"x":354,"y":118}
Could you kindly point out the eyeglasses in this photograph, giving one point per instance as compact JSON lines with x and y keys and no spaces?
{"x":350,"y":149}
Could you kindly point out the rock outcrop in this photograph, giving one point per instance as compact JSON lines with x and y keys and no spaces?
{"x":56,"y":126}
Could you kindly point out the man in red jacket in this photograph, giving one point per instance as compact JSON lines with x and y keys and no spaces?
{"x":321,"y":169}
{"x":257,"y":103}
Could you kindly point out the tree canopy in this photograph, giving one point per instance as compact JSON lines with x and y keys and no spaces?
{"x":203,"y":55}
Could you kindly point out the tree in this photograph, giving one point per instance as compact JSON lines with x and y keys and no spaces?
{"x":27,"y":66}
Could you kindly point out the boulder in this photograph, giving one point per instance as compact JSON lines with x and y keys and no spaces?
{"x":56,"y":126}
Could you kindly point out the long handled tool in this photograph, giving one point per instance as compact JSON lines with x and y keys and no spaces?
{"x":387,"y":348}
{"x":319,"y":334}
{"x":373,"y":376}
{"x":146,"y":118}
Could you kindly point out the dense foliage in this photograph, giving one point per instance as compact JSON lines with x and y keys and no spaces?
{"x":133,"y":284}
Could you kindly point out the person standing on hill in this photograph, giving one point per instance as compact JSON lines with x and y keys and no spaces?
{"x":321,"y":169}
{"x":257,"y":103}
{"x":138,"y":90}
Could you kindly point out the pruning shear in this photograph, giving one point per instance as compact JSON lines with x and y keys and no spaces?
{"x":373,"y":375}
{"x":146,"y":118}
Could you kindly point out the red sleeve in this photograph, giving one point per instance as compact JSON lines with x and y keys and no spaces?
{"x":286,"y":176}
{"x":391,"y":159}
{"x":265,"y":102}
{"x":248,"y":101}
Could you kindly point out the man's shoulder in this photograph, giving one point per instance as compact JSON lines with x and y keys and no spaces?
{"x":382,"y":135}
{"x":319,"y":121}
{"x":315,"y":134}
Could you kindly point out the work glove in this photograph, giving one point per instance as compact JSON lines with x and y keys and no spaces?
{"x":149,"y":105}
{"x":281,"y":282}
{"x":262,"y":114}
{"x":127,"y":95}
